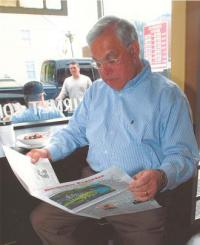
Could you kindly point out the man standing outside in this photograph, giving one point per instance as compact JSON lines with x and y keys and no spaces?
{"x":133,"y":119}
{"x":75,"y":85}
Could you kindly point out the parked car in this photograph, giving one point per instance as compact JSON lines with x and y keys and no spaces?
{"x":10,"y":90}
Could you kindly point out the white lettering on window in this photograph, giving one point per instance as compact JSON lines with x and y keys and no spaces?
{"x":62,"y":105}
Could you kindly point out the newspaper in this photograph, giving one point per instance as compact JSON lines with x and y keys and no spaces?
{"x":100,"y":195}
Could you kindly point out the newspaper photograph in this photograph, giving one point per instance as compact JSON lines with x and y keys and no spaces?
{"x":100,"y":195}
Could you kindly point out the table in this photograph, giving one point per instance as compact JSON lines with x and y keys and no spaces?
{"x":45,"y":125}
{"x":37,"y":126}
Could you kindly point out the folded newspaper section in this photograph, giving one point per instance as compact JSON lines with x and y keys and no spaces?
{"x":97,"y":196}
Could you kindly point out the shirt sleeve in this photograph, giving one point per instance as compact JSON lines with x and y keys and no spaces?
{"x":63,"y":93}
{"x":24,"y":116}
{"x":16,"y":118}
{"x":89,"y":82}
{"x":48,"y":113}
{"x":65,"y":141}
{"x":55,"y":113}
{"x":177,"y":139}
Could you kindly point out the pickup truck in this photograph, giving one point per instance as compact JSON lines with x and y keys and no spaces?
{"x":52,"y":75}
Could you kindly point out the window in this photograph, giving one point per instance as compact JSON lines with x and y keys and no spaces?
{"x":62,"y":73}
{"x":153,"y":26}
{"x":26,"y":36}
{"x":50,"y":7}
{"x":48,"y":73}
{"x":197,"y":198}
{"x":30,"y":69}
{"x":35,"y":31}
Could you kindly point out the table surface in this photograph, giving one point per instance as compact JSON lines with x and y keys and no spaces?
{"x":43,"y":126}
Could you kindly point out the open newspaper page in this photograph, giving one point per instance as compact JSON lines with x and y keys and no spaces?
{"x":122,"y":203}
{"x":97,"y":196}
{"x":103,"y":194}
{"x":78,"y":195}
{"x":33,"y":177}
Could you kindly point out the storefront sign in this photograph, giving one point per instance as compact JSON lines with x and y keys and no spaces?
{"x":66,"y":105}
{"x":156,"y":45}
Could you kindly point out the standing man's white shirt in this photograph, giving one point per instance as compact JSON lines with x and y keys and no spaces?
{"x":75,"y":87}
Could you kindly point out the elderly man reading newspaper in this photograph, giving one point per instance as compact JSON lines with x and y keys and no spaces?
{"x":133,"y":119}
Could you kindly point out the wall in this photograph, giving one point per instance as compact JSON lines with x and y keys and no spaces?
{"x":185,"y":55}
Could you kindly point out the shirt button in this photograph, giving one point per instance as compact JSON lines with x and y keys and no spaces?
{"x":105,"y":151}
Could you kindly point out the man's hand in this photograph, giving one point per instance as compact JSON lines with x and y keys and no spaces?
{"x":36,"y":154}
{"x":146,"y":184}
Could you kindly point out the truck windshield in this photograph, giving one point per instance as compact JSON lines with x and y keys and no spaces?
{"x":62,"y":73}
{"x":48,"y":72}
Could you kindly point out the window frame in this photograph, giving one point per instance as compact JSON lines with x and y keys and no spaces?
{"x":38,"y":11}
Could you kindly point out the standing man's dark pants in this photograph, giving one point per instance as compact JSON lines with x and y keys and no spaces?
{"x":55,"y":226}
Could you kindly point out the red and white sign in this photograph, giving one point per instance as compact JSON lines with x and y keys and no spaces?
{"x":156,"y":45}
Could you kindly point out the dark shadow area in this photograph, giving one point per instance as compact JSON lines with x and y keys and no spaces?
{"x":179,"y":208}
{"x":16,"y":207}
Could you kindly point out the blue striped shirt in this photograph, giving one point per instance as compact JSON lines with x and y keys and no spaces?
{"x":146,"y":125}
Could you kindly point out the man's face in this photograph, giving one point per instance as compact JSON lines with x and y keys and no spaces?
{"x":114,"y":60}
{"x":74,"y":70}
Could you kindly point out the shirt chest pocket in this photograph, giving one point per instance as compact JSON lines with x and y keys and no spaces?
{"x":130,"y":130}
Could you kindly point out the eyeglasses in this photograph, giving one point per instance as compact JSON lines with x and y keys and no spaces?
{"x":111,"y":62}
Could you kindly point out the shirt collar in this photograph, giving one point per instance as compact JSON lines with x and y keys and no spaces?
{"x":140,"y":76}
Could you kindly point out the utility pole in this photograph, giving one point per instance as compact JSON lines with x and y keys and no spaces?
{"x":100,"y":8}
{"x":71,"y":38}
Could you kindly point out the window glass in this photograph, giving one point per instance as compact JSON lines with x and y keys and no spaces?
{"x":153,"y":26}
{"x":50,"y":73}
{"x":36,"y":46}
{"x":50,"y":7}
{"x":53,"y":4}
{"x":62,"y":73}
{"x":26,"y":36}
{"x":197,"y":212}
{"x":31,"y":3}
{"x":30,"y":70}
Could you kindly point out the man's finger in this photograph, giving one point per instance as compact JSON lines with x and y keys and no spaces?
{"x":140,"y":180}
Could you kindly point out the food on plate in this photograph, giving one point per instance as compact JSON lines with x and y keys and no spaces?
{"x":34,"y":136}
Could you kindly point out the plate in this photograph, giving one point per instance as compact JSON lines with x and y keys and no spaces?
{"x":33,"y":139}
{"x":21,"y":145}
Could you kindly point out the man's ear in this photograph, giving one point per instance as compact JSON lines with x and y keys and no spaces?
{"x":135,"y":49}
{"x":41,"y":97}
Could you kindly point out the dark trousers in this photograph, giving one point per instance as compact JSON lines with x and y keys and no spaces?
{"x":57,"y":227}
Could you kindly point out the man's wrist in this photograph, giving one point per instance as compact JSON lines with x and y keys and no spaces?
{"x":47,"y":153}
{"x":162,"y":182}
